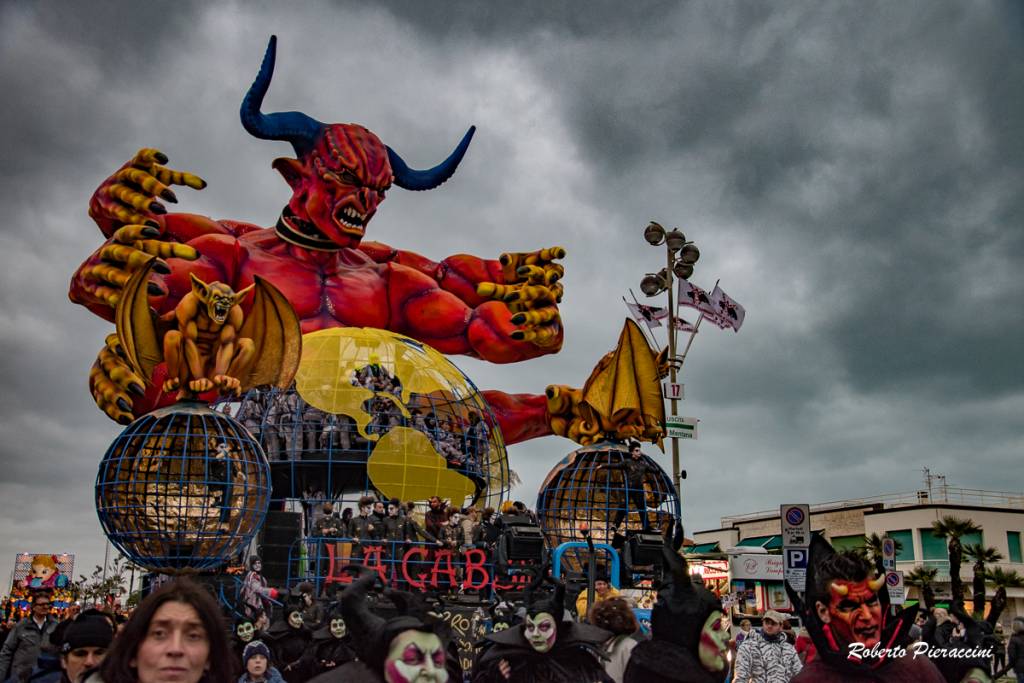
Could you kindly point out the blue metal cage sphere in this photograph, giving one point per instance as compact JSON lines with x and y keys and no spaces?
{"x":182,"y":489}
{"x":577,"y":492}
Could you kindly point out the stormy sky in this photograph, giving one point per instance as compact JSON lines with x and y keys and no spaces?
{"x":850,"y":171}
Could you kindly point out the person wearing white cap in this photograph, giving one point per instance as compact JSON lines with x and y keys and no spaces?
{"x":767,"y":657}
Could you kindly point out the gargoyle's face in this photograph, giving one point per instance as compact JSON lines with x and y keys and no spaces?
{"x":218,"y":298}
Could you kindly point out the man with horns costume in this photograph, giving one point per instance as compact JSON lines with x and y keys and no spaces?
{"x":857,"y":634}
{"x":410,"y":647}
{"x":331,"y":646}
{"x":688,"y":640}
{"x":544,"y":648}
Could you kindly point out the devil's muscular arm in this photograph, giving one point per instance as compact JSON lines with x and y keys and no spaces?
{"x":459,"y":274}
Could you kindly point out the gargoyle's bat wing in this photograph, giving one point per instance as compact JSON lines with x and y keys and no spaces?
{"x":137,"y":324}
{"x":625,"y":388}
{"x":274,"y":328}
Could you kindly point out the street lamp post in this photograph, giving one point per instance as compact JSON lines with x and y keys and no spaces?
{"x":680,"y":255}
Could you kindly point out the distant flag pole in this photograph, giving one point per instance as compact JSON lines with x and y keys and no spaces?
{"x":696,"y":326}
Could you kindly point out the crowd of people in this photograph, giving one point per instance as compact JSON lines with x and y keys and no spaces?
{"x":289,"y":428}
{"x":367,"y":633}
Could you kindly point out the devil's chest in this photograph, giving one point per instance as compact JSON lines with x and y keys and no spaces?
{"x":327,"y":295}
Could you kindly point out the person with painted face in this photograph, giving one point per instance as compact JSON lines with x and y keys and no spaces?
{"x":688,"y":638}
{"x":245,"y":632}
{"x":256,"y":595}
{"x":855,"y":631}
{"x":544,"y":648}
{"x":288,"y":639}
{"x":256,"y":661}
{"x":408,"y":648}
{"x":331,"y":646}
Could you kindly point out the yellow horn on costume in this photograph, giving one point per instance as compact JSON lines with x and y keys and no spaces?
{"x":838,"y":589}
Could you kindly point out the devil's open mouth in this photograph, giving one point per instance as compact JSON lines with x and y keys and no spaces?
{"x":220,"y":312}
{"x":350,"y":220}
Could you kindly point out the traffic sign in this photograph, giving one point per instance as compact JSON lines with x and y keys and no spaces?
{"x":679,"y":427}
{"x":796,"y":524}
{"x":888,"y":554}
{"x":795,"y":570}
{"x":897,"y":590}
{"x":673,"y":391}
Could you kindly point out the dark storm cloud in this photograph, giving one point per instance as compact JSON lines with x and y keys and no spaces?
{"x":850,"y":171}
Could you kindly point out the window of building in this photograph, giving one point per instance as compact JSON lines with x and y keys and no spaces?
{"x":932,"y":548}
{"x":848,"y":542}
{"x":1013,"y":542}
{"x":976,"y":538}
{"x":905,"y":542}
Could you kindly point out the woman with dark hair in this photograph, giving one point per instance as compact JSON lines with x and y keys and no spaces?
{"x":615,"y":615}
{"x":176,"y":635}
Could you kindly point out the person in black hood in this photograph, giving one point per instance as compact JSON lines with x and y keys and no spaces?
{"x":688,"y":642}
{"x":331,"y":646}
{"x":410,"y":646}
{"x":288,"y":639}
{"x":544,"y":648}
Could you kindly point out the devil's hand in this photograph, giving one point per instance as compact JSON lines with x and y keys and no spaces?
{"x":130,"y":196}
{"x":532,"y":291}
{"x":111,"y":382}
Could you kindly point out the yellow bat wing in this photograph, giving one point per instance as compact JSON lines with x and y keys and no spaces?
{"x":137,"y":325}
{"x":624,"y":387}
{"x":274,"y":328}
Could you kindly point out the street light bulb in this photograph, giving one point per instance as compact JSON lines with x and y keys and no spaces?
{"x":682,"y":270}
{"x":690,"y":253}
{"x":675,"y":240}
{"x":654,"y":234}
{"x":652,"y":284}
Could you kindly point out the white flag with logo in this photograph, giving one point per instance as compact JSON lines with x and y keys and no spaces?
{"x":683,"y":325}
{"x":693,"y":296}
{"x":652,"y":315}
{"x":729,"y":312}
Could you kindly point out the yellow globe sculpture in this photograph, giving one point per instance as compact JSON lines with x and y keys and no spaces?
{"x":404,"y":462}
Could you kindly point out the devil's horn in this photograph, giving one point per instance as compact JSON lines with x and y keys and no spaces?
{"x":411,"y":179}
{"x":291,"y":126}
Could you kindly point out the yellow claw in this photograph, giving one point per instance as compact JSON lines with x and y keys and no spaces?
{"x":128,"y":196}
{"x":551,"y":253}
{"x":120,"y":253}
{"x":105,"y":273}
{"x":172,"y":177}
{"x":535,"y":317}
{"x":146,"y":181}
{"x":530,"y":293}
{"x":168,"y":249}
{"x":492,"y":290}
{"x":541,"y":336}
{"x":148,"y":156}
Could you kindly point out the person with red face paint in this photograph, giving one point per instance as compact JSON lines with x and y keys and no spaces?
{"x":857,"y":635}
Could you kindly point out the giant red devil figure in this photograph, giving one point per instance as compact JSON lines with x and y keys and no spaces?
{"x":502,"y":310}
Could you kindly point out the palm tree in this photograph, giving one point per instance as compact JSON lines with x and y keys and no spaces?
{"x":981,"y":556}
{"x":923,"y":578}
{"x":953,"y":529}
{"x":1001,"y":579}
{"x":872,"y":549}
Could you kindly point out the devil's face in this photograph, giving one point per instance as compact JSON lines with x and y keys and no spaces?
{"x":339,"y":185}
{"x":854,"y":612}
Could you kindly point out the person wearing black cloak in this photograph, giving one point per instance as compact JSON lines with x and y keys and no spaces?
{"x":288,"y":639}
{"x":331,"y":647}
{"x":961,"y":661}
{"x":409,"y":647}
{"x":544,"y":648}
{"x":244,"y":633}
{"x":688,"y":639}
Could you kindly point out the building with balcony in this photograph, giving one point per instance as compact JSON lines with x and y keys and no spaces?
{"x":906,"y":517}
